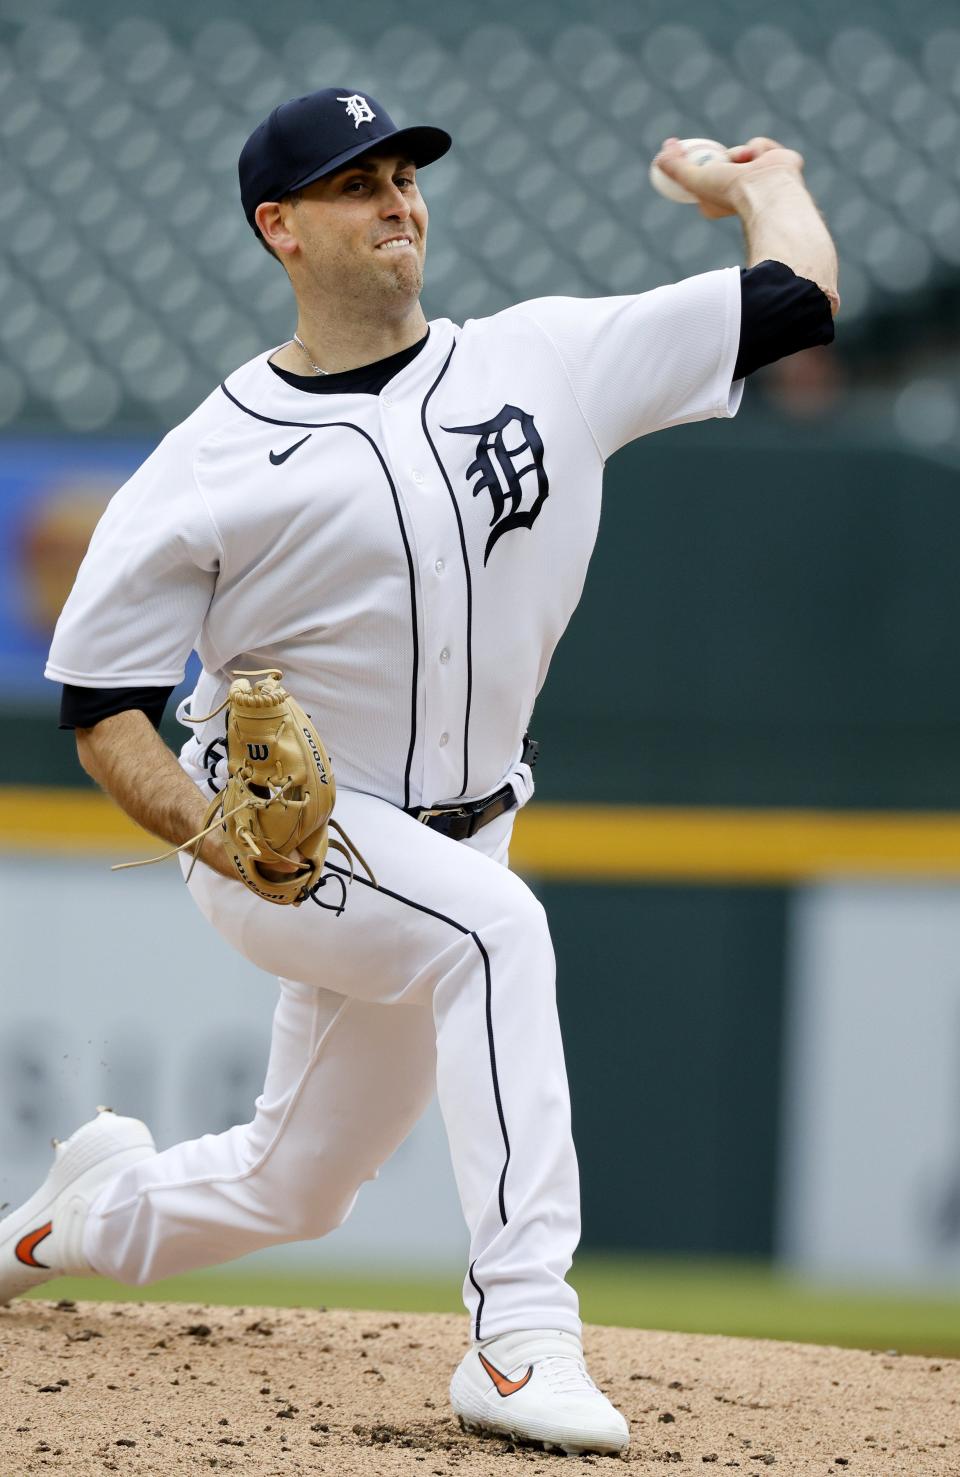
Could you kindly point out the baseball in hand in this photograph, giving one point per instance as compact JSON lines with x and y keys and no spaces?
{"x":698,"y":151}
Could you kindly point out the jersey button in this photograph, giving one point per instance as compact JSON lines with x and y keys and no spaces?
{"x":439,"y":566}
{"x":417,"y":475}
{"x":444,"y":740}
{"x":445,"y":655}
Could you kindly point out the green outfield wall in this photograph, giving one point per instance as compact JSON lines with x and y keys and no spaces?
{"x":671,"y":1002}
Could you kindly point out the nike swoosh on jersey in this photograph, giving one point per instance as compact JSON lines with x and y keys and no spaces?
{"x":504,"y":1386}
{"x":277,"y":458}
{"x":28,"y":1244}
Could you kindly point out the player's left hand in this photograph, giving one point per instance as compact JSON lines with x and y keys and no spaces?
{"x":719,"y":184}
{"x":282,"y":870}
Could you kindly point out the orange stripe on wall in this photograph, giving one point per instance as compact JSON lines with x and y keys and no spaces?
{"x":586,"y":843}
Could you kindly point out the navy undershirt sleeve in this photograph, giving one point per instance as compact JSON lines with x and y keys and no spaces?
{"x":780,"y":313}
{"x":84,"y":707}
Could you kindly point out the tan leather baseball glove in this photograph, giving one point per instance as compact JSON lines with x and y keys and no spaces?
{"x":280,"y":792}
{"x":276,"y":805}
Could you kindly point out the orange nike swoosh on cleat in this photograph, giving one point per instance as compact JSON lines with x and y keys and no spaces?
{"x":504,"y":1386}
{"x":28,"y":1244}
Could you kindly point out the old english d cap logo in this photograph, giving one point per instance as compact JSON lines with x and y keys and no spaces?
{"x":309,"y":137}
{"x":358,"y":109}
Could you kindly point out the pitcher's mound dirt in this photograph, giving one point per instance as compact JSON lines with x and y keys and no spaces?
{"x":174,"y":1390}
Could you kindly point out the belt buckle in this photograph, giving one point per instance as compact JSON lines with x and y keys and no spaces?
{"x":427,"y":815}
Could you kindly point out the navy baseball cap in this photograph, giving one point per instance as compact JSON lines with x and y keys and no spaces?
{"x":308,"y":137}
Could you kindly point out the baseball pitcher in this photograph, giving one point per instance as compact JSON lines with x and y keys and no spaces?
{"x":374,"y":536}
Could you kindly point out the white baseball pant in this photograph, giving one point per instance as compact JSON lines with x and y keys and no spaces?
{"x":441,"y":978}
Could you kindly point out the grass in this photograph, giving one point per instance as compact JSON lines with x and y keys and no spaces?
{"x":730,"y":1297}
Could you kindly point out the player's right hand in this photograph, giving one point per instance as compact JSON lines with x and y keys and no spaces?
{"x":719,"y":184}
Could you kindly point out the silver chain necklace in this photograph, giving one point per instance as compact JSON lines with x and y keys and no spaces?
{"x":306,"y":354}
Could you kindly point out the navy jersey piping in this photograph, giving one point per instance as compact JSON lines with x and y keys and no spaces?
{"x":482,"y":1300}
{"x":488,"y":987}
{"x":349,"y":426}
{"x":466,"y":569}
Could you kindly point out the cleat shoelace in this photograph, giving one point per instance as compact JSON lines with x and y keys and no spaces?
{"x":566,"y":1376}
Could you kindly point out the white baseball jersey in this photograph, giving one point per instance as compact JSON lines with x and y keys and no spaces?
{"x":409,"y":559}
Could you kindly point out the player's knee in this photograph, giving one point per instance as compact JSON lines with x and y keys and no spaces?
{"x":312,"y":1216}
{"x":525,"y":920}
{"x":299,"y":1213}
{"x":307,"y":1195}
{"x":516,"y":930}
{"x":511,"y":902}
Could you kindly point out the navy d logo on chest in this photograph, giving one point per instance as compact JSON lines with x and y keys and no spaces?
{"x":500,"y":469}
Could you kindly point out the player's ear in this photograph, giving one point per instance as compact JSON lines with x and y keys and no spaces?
{"x":270,"y":217}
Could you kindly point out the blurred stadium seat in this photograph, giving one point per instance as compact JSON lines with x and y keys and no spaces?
{"x":128,"y":280}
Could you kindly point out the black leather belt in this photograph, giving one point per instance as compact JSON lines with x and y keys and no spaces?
{"x":461,"y":821}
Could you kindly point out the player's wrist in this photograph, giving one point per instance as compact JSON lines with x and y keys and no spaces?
{"x":755,"y":196}
{"x":213,"y":855}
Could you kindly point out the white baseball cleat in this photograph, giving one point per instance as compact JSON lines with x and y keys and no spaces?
{"x":44,"y":1237}
{"x":534,"y":1386}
